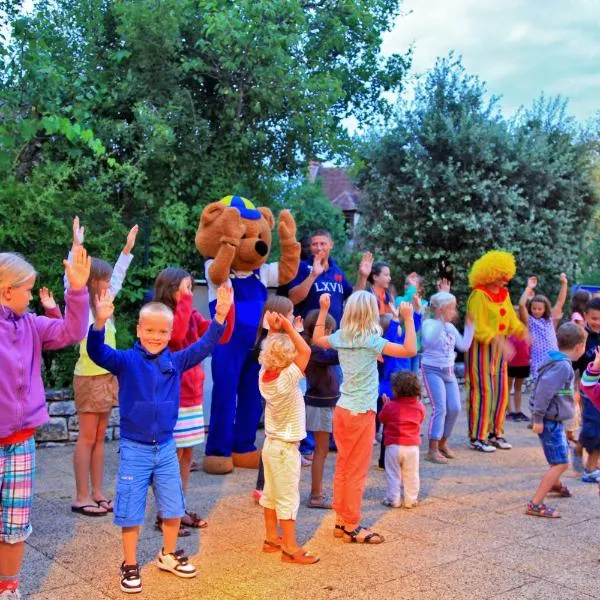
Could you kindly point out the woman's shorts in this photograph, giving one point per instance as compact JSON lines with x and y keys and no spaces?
{"x":95,"y":393}
{"x":189,"y":429}
{"x":319,"y":418}
{"x":589,"y":436}
{"x":519,"y":372}
{"x":17,"y":468}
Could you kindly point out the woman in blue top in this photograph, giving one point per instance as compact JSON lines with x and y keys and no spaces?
{"x":440,"y":339}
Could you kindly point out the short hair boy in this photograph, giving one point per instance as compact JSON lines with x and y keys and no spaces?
{"x":552,"y":403}
{"x":149,"y":377}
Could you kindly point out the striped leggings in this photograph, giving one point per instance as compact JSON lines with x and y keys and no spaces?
{"x":487,"y":390}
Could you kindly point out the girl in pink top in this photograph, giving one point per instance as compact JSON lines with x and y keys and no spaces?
{"x":518,"y":372}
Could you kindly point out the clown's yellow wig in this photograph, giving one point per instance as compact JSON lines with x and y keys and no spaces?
{"x":492,"y":266}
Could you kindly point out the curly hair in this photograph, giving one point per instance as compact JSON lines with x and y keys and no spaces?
{"x":492,"y":266}
{"x":405,"y":384}
{"x":278,"y":352}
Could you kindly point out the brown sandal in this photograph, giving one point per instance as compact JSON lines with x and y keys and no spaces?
{"x":270,"y":547}
{"x":194,"y":520}
{"x":338,"y":530}
{"x":300,"y":557}
{"x":370,"y":538}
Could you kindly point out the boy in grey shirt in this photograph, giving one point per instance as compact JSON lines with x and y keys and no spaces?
{"x":551,"y":403}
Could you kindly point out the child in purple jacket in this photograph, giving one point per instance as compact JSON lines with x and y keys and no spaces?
{"x":23,"y":336}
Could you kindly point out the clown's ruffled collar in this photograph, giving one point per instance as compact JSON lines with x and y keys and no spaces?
{"x":498,"y":297}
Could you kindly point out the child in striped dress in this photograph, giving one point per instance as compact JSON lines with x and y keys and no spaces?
{"x":173,"y":287}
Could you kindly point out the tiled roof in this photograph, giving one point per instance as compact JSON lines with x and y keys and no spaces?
{"x":338,"y":187}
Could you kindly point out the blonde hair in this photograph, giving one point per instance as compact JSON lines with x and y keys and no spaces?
{"x":278,"y":351}
{"x":14,"y":270}
{"x":361,"y":317}
{"x":441,"y":300}
{"x":156,"y":308}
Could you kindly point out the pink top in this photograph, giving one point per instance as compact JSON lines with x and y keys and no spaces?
{"x":522,"y":355}
{"x":577,"y":318}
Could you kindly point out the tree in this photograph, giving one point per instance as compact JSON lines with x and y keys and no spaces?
{"x":452,"y":179}
{"x":125,"y":111}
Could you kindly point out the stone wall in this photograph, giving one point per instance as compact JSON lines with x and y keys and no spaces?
{"x":63,"y":426}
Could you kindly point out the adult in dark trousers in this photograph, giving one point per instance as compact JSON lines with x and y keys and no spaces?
{"x":320,"y":274}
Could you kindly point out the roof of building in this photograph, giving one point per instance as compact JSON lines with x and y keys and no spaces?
{"x":338,"y":187}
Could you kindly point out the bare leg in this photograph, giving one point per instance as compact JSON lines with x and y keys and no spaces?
{"x":288,"y":529}
{"x":185,"y":456}
{"x":170,"y":530}
{"x":97,"y":460}
{"x":552,"y":477}
{"x":82,"y":459}
{"x":130,"y":537}
{"x":513,"y":403}
{"x":318,"y":464}
{"x":11,"y":558}
{"x":518,"y":394}
{"x":271,"y":533}
{"x":591,"y":464}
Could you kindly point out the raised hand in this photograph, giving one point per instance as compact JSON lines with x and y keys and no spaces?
{"x":325,"y":302}
{"x":104,"y":307}
{"x":224,"y":300}
{"x":532,"y":282}
{"x":78,"y":271}
{"x":366,"y":264}
{"x":318,"y":264}
{"x":298,"y":324}
{"x":274,"y":321}
{"x":443,"y":285}
{"x":596,"y":363}
{"x":563,"y":278}
{"x":406,"y":310}
{"x":416,"y":302}
{"x":130,"y":243}
{"x":47,"y":299}
{"x":78,"y":233}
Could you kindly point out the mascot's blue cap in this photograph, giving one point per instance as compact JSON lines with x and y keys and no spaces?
{"x":246,"y":208}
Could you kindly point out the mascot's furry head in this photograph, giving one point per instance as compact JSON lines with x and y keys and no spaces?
{"x":492,"y":266}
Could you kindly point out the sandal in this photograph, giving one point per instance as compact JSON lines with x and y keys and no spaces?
{"x":106,"y":504}
{"x":270,"y":547}
{"x":437,"y":459}
{"x":300,"y":557}
{"x":338,"y":530}
{"x":194,"y":466}
{"x":318,"y":502}
{"x":81,"y":510}
{"x":447,"y":453}
{"x":562,"y":490}
{"x":183,"y":532}
{"x":194,"y":520}
{"x":370,"y":538}
{"x":541,"y":510}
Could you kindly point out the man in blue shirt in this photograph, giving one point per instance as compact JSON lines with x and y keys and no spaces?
{"x":322,"y":275}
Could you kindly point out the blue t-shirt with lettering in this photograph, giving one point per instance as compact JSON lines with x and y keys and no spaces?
{"x":333,"y":282}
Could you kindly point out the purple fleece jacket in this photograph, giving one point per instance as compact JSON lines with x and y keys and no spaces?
{"x":22,"y":339}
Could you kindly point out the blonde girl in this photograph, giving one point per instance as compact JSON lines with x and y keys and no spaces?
{"x":23,"y":336}
{"x":95,"y":389}
{"x":359,"y":342}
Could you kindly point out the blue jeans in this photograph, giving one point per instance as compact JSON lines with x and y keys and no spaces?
{"x":444,"y":395}
{"x":554,"y":443}
{"x":142,"y":466}
{"x":415,"y":363}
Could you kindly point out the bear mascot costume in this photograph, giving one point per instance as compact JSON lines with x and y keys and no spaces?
{"x":234,"y":237}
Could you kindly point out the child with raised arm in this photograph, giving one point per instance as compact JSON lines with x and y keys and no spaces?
{"x":149,"y":389}
{"x":536,"y":312}
{"x":359,"y":343}
{"x":23,"y":336}
{"x":95,"y":390}
{"x":551,"y":404}
{"x":283,"y":359}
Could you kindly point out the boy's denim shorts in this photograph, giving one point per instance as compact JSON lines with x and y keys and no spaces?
{"x":143,"y":465}
{"x":554,"y":443}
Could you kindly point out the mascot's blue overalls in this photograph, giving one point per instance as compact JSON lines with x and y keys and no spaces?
{"x":235,"y":373}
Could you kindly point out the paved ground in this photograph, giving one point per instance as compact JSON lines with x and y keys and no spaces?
{"x":468,"y":538}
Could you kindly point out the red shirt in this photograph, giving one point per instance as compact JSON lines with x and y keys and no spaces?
{"x":522,"y":357}
{"x":188,"y":327}
{"x":402,"y":419}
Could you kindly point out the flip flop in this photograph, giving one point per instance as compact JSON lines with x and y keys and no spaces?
{"x":109,"y":504}
{"x":81,"y":510}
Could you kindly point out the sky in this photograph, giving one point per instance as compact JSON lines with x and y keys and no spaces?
{"x":520,"y":48}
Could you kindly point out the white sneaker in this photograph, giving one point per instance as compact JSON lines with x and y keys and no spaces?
{"x":176,"y":563}
{"x":499,"y":442}
{"x":304,"y":461}
{"x":482,"y":446}
{"x":10,"y":595}
{"x":131,"y":581}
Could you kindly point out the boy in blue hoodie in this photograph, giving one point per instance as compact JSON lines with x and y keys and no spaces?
{"x":551,"y":404}
{"x":149,"y":379}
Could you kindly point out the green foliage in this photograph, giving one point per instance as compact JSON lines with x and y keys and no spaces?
{"x":452,"y":179}
{"x":137,"y":111}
